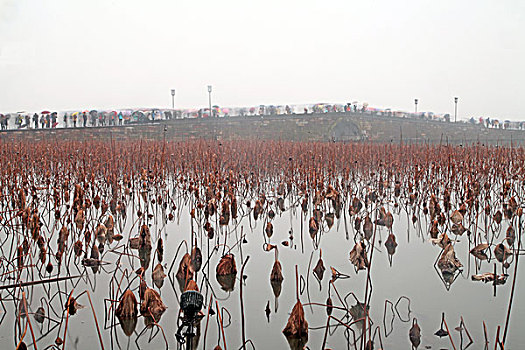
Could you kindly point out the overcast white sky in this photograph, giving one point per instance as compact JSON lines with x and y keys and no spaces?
{"x":76,"y":54}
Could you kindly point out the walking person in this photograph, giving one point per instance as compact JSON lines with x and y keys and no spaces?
{"x":120,"y":117}
{"x":84,"y":119}
{"x":75,"y":120}
{"x":65,"y":120}
{"x":35,"y":120}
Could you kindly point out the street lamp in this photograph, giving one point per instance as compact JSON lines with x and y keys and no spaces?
{"x":209,"y":97}
{"x":415,"y":102}
{"x":455,"y":109}
{"x":172,"y":98}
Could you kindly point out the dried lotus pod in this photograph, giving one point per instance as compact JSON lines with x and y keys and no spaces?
{"x":77,"y":248}
{"x":319,"y":268}
{"x":312,"y":227}
{"x":160,"y":249}
{"x":456,"y":217}
{"x":79,"y":219}
{"x":510,"y":235}
{"x":502,"y":252}
{"x":158,"y":275}
{"x":297,"y":326}
{"x":226,"y":272}
{"x":329,"y":306}
{"x":448,"y":262}
{"x":152,"y":304}
{"x":127,"y":306}
{"x":185,"y":271}
{"x":358,"y":256}
{"x":329,"y":219}
{"x":110,"y":224}
{"x":269,"y":229}
{"x":226,"y":265}
{"x":368,"y":228}
{"x":145,"y":237}
{"x":100,"y":233}
{"x":40,"y":315}
{"x":479,"y":251}
{"x":498,"y":217}
{"x":276,"y":275}
{"x":134,"y":243}
{"x":72,"y":305}
{"x":414,"y":334}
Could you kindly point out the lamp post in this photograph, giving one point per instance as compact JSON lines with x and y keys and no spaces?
{"x":209,"y":98}
{"x":415,"y":102}
{"x":455,"y":109}
{"x":172,"y":98}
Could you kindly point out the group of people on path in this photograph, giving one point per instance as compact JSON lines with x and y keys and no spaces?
{"x":78,"y":119}
{"x":50,"y":120}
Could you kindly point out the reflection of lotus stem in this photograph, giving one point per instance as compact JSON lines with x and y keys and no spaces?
{"x":96,"y":322}
{"x":296,"y":283}
{"x":220,"y":321}
{"x":242,"y":305}
{"x":28,"y":319}
{"x":207,"y":320}
{"x":448,"y":332}
{"x":513,"y":284}
{"x":67,"y":318}
{"x":368,"y":281}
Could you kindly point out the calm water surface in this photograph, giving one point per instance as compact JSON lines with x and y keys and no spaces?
{"x":412,"y":274}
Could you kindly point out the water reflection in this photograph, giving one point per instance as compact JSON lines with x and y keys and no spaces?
{"x":223,"y":206}
{"x":226,"y":272}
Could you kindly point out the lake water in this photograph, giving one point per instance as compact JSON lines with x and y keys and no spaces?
{"x":412,"y":274}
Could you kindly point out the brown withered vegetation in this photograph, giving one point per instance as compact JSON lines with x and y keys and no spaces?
{"x":152,"y":304}
{"x":226,"y":266}
{"x":297,"y":326}
{"x":101,"y":210}
{"x":127,"y":306}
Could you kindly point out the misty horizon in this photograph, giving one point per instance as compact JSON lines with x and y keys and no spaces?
{"x":63,"y":55}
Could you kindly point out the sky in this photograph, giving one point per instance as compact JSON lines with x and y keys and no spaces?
{"x":110,"y":54}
